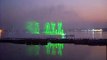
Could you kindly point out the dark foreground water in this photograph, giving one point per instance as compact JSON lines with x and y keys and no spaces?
{"x":57,"y":51}
{"x":52,"y":52}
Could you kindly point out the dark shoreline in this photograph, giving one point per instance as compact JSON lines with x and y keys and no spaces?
{"x":34,"y":41}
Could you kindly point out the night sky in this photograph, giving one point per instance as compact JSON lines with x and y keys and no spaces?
{"x":75,"y":14}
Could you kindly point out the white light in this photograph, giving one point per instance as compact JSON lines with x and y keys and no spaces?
{"x":0,"y":30}
{"x":97,"y":30}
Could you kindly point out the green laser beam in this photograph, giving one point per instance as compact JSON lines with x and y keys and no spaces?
{"x":33,"y":27}
{"x":50,"y":28}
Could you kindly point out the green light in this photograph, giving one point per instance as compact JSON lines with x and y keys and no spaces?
{"x":53,"y":27}
{"x":50,"y":28}
{"x":53,"y":49}
{"x":63,"y":36}
{"x":47,"y":28}
{"x":60,"y":30}
{"x":33,"y":27}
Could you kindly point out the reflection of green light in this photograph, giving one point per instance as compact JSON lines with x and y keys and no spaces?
{"x":33,"y":50}
{"x":51,"y":49}
{"x":33,"y":27}
{"x":37,"y":49}
{"x":54,"y":49}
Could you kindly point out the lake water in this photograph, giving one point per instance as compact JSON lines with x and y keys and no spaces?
{"x":10,"y":51}
{"x":37,"y":52}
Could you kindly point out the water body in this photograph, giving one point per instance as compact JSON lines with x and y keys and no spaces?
{"x":36,"y":52}
{"x":10,"y":51}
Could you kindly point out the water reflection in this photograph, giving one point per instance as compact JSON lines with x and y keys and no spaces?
{"x":50,"y":49}
{"x":33,"y":50}
{"x":53,"y":49}
{"x":97,"y":35}
{"x":69,"y":52}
